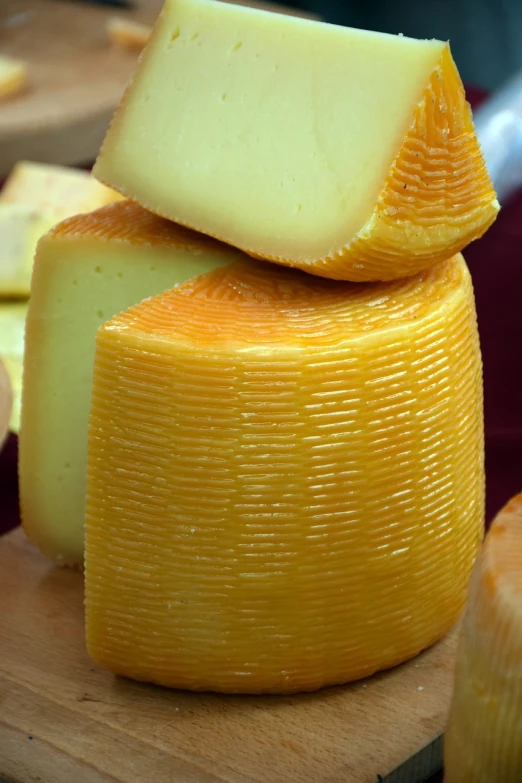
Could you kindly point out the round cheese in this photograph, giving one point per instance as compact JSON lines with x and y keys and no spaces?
{"x":285,"y":478}
{"x":484,"y":737}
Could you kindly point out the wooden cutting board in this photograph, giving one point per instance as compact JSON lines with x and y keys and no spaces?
{"x":64,"y":720}
{"x":76,"y":77}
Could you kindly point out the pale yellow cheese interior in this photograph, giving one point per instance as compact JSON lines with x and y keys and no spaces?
{"x":324,"y":109}
{"x":35,"y":197}
{"x":12,"y":327}
{"x":87,"y":270}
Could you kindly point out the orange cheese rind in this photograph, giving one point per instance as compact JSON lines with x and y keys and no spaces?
{"x":484,"y":735}
{"x":285,"y":478}
{"x":127,"y":222}
{"x":437,"y":199}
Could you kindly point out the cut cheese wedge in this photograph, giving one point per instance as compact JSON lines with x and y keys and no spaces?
{"x":484,"y":737}
{"x":87,"y":269}
{"x":34,"y":198}
{"x":13,"y":77}
{"x":12,"y":327}
{"x":285,"y":478}
{"x":128,"y":34}
{"x":347,"y":153}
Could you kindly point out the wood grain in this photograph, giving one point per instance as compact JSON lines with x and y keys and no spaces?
{"x":63,"y":719}
{"x":76,"y":77}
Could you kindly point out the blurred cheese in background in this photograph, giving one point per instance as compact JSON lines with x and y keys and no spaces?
{"x":13,"y":77}
{"x":128,"y":34}
{"x":34,"y":198}
{"x":12,"y":326}
{"x":5,"y":403}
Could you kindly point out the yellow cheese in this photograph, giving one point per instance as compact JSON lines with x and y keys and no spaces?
{"x":12,"y":326}
{"x":34,"y":198}
{"x":484,"y":737}
{"x":57,"y":190}
{"x":346,"y":153}
{"x":13,"y":77}
{"x":285,"y":478}
{"x":128,"y":34}
{"x":20,"y":228}
{"x":87,"y":269}
{"x":5,"y":403}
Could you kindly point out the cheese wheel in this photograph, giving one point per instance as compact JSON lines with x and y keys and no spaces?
{"x":343,"y":152}
{"x":484,"y":737}
{"x":87,"y":269}
{"x":5,"y":403}
{"x":285,"y":478}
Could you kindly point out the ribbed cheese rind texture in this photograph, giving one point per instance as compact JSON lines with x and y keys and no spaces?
{"x":346,"y":153}
{"x":484,"y":736}
{"x":125,"y":221}
{"x":437,"y":199}
{"x":285,"y":478}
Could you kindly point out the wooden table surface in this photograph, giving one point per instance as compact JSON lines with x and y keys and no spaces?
{"x":65,"y":720}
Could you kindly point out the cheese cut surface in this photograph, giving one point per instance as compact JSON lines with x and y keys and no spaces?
{"x":347,"y":153}
{"x":13,"y":77}
{"x":12,"y":327}
{"x":87,"y":269}
{"x":285,"y":478}
{"x":484,"y":736}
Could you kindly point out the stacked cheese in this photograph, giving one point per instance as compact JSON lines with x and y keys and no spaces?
{"x":484,"y":737}
{"x":284,"y":472}
{"x":33,"y":199}
{"x":344,"y":152}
